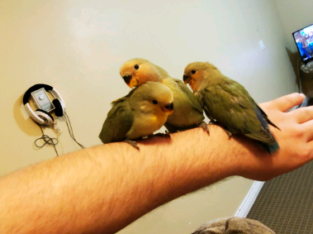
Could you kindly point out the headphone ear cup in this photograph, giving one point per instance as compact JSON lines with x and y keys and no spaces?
{"x":49,"y":120}
{"x":58,"y":108}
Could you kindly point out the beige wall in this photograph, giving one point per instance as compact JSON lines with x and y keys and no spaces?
{"x":78,"y":47}
{"x":294,"y":15}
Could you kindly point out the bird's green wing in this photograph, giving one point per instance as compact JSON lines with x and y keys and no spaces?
{"x":264,"y":133}
{"x":266,"y":118}
{"x":232,"y":106}
{"x":118,"y":122}
{"x":193,"y":100}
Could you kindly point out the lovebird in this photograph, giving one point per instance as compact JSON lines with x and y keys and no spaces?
{"x":187,"y":112}
{"x":143,"y":111}
{"x":228,"y":103}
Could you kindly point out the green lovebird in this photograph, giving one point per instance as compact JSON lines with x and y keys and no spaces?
{"x":187,"y":112}
{"x":228,"y":103}
{"x":143,"y":111}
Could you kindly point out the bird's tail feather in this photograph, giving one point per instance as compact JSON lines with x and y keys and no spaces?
{"x":271,"y":148}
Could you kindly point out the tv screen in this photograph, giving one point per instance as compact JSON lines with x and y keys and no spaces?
{"x":304,"y":42}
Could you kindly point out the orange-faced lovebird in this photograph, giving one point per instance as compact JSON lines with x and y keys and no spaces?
{"x":143,"y":111}
{"x":187,"y":112}
{"x":228,"y":103}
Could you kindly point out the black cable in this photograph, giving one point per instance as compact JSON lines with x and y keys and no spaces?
{"x":46,"y":141}
{"x":70,"y":129}
{"x":299,"y":78}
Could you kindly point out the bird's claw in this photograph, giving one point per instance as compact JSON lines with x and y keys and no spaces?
{"x":214,"y":122}
{"x":205,"y":127}
{"x":228,"y":133}
{"x":132,"y":143}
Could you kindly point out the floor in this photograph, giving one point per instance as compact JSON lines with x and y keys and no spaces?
{"x":285,"y":204}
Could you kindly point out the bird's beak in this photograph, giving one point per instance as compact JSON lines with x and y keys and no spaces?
{"x":186,"y":79}
{"x":130,"y":81}
{"x":168,"y":108}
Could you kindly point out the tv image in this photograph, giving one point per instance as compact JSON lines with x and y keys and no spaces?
{"x":304,"y":42}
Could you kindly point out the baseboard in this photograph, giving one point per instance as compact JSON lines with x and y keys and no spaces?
{"x":249,"y":200}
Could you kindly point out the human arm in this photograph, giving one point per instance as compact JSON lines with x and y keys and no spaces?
{"x":294,"y":137}
{"x":104,"y":188}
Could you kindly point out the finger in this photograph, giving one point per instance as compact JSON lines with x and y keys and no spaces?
{"x":303,"y":114}
{"x":310,"y":144}
{"x":286,"y":102}
{"x":307,"y":129}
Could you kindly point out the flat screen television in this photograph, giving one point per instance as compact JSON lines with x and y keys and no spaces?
{"x":304,"y":42}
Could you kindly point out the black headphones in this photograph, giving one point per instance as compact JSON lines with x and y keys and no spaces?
{"x":40,"y":116}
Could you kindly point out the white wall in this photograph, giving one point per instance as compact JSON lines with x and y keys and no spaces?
{"x":78,"y":47}
{"x":294,"y":15}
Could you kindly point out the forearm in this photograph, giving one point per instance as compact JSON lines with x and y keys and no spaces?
{"x":104,"y":188}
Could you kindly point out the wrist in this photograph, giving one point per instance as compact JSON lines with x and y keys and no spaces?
{"x":251,"y":160}
{"x":201,"y":159}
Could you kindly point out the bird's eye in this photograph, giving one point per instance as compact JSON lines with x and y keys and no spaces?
{"x":136,"y":66}
{"x":193,"y":71}
{"x":155,"y":102}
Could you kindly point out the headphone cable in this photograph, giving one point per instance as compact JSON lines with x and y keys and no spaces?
{"x":46,"y":141}
{"x":70,"y":129}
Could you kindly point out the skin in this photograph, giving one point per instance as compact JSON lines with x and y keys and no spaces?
{"x":95,"y":191}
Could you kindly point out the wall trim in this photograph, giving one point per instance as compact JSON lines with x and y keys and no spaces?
{"x":249,"y":200}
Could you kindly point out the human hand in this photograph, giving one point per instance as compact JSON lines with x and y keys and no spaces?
{"x":295,"y":139}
